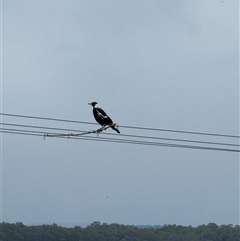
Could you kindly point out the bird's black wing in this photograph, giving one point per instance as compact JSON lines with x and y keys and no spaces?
{"x":101,"y":116}
{"x":101,"y":112}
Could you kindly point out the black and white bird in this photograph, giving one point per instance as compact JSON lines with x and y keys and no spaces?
{"x":102,"y":118}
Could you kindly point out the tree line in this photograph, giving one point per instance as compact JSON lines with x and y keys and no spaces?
{"x":116,"y":232}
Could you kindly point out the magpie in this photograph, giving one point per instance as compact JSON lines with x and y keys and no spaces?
{"x":101,"y":117}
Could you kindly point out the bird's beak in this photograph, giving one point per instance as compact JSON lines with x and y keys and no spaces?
{"x":90,"y":103}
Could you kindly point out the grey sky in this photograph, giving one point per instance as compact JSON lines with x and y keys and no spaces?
{"x":161,"y":64}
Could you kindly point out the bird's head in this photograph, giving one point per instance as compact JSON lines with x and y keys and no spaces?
{"x":93,"y":104}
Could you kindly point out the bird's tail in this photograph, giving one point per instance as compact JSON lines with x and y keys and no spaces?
{"x":115,"y":127}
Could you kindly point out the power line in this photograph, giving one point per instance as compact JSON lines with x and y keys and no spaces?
{"x":1,"y":105}
{"x":117,"y":140}
{"x":123,"y":135}
{"x":48,"y":119}
{"x":122,"y":126}
{"x":38,"y":130}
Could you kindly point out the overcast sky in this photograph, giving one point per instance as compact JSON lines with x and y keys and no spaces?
{"x":159,"y":64}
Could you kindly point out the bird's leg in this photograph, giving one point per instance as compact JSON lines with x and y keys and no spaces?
{"x":106,"y":127}
{"x":101,"y":129}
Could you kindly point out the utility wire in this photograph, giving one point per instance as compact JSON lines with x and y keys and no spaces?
{"x":126,"y":141}
{"x":1,"y":105}
{"x":122,"y":135}
{"x":37,"y":130}
{"x":122,"y":126}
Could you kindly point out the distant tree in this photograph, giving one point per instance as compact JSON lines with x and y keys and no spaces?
{"x":116,"y":232}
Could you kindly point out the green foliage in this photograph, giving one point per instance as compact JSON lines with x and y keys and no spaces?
{"x":116,"y":232}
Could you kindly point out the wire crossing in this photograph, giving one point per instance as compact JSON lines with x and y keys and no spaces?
{"x":147,"y":140}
